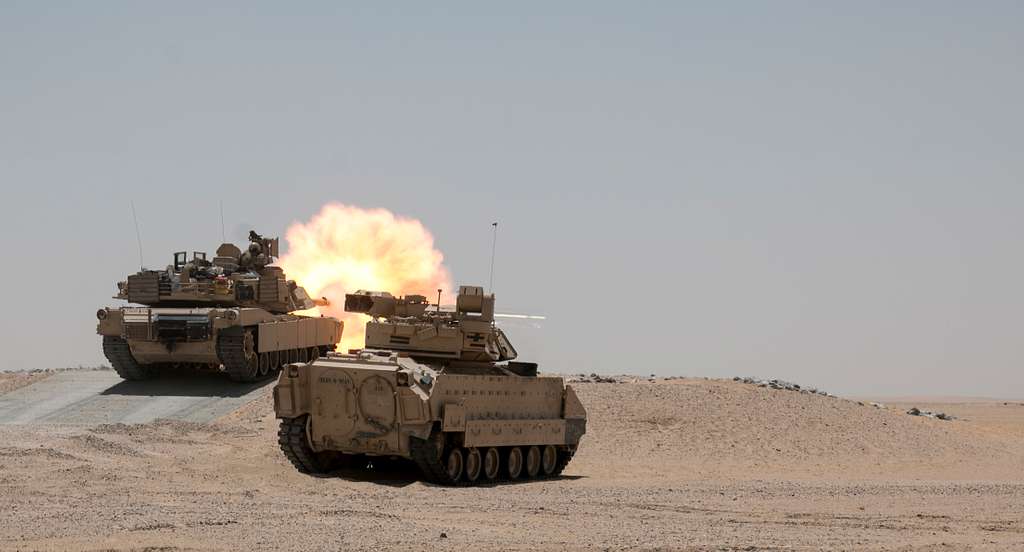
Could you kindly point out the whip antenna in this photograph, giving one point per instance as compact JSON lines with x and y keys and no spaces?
{"x":138,"y":236}
{"x":223,"y":238}
{"x":494,"y":245}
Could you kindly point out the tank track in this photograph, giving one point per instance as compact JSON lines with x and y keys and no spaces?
{"x":230,"y":351}
{"x":424,"y":454}
{"x":564,"y":456}
{"x":120,"y":356}
{"x":292,"y":439}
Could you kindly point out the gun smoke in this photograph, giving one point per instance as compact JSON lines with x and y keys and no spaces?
{"x":344,"y":248}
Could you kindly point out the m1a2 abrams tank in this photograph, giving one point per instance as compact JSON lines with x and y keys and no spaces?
{"x":440,"y":388}
{"x":230,"y":313}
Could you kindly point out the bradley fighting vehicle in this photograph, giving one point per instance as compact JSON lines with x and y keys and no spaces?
{"x":230,"y":312}
{"x":437,"y":387}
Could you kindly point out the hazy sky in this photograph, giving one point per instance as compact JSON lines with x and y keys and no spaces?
{"x":829,"y":193}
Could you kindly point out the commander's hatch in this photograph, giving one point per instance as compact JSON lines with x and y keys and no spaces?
{"x":181,"y":258}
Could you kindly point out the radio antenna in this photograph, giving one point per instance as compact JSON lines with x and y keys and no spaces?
{"x":138,"y":236}
{"x":494,"y":246}
{"x":223,"y":238}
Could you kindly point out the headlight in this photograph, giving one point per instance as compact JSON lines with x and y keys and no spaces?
{"x":101,"y":314}
{"x":403,"y":379}
{"x":231,"y":315}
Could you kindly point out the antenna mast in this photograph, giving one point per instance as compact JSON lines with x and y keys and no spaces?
{"x":223,"y":238}
{"x":138,"y":236}
{"x":494,"y":245}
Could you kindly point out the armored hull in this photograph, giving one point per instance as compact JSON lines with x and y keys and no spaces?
{"x":457,"y":427}
{"x":249,"y":343}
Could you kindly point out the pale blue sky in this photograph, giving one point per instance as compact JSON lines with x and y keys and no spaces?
{"x":823,"y":192}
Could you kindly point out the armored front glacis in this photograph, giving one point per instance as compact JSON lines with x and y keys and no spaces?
{"x":437,"y":387}
{"x":230,"y":313}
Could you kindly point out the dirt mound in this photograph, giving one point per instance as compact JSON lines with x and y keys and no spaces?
{"x":681,"y":464}
{"x":9,"y":381}
{"x":699,"y":429}
{"x":48,"y":452}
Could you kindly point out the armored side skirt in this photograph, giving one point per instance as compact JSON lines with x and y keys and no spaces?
{"x":498,"y":433}
{"x":170,"y":335}
{"x":299,"y":333}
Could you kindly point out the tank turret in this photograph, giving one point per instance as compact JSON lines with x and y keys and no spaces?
{"x":232,"y":278}
{"x":411,"y":325}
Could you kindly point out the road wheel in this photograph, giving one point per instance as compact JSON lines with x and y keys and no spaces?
{"x":532,"y":461}
{"x":474,"y":464}
{"x":264,"y":359}
{"x":455,"y":464}
{"x":548,"y":460}
{"x":514,"y":463}
{"x":492,"y":463}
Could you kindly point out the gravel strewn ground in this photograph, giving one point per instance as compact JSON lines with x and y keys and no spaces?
{"x":681,"y":464}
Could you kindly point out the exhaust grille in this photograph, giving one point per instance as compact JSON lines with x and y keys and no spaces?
{"x":137,"y":331}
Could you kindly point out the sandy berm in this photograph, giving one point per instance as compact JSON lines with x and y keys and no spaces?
{"x":683,"y":464}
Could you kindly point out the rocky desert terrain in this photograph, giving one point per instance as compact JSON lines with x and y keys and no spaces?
{"x":680,"y":464}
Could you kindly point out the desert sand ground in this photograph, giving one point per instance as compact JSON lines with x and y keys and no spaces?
{"x":686,"y":464}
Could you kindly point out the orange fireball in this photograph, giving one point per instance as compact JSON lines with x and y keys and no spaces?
{"x":345,"y":248}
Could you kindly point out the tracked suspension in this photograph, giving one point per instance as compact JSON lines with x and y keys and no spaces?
{"x":450,"y":465}
{"x":120,"y":356}
{"x":240,"y":366}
